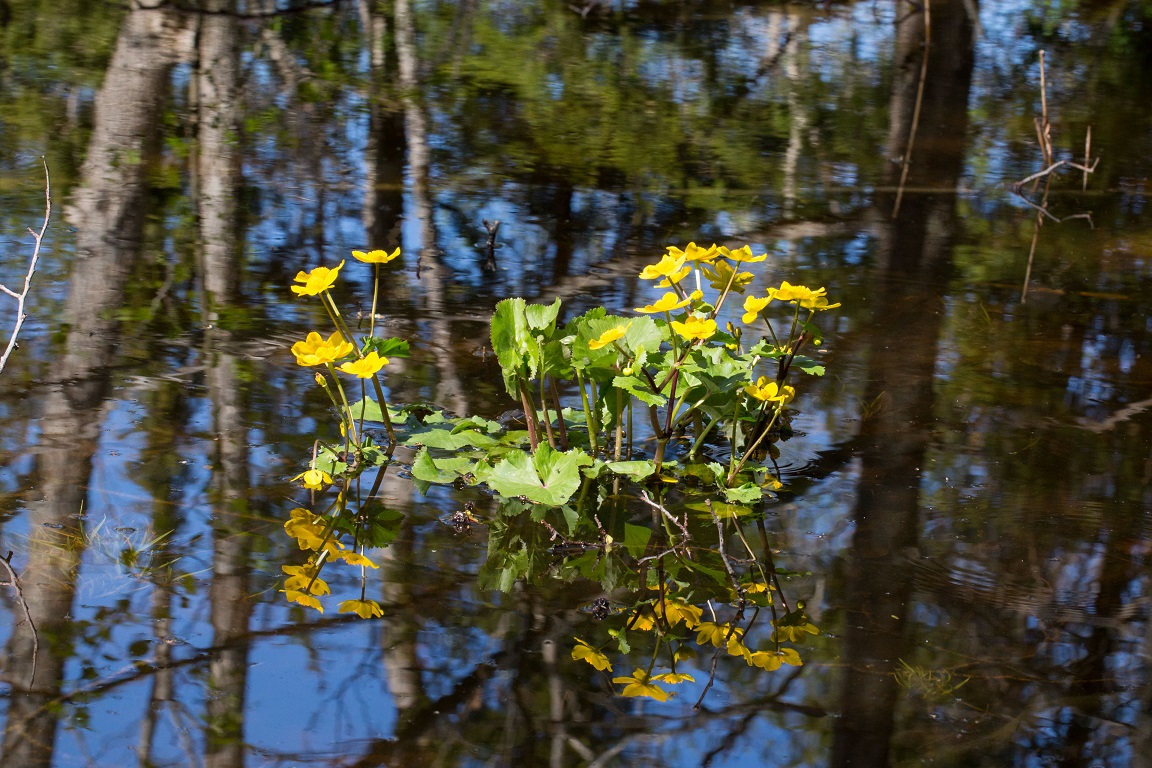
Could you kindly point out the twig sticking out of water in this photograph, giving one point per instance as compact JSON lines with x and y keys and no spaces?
{"x":22,"y":297}
{"x":14,"y":582}
{"x":1044,"y":138}
{"x":490,"y":247}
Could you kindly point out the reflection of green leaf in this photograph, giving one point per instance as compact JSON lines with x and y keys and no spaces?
{"x":450,"y":439}
{"x":636,"y":538}
{"x":550,"y":477}
{"x":424,"y":467}
{"x":746,"y":493}
{"x":637,"y":470}
{"x":721,"y":509}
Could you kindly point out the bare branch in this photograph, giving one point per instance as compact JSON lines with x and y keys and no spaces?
{"x":15,"y":584}
{"x":22,"y":297}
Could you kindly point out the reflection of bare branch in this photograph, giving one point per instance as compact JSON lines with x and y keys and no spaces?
{"x":199,"y":11}
{"x":22,"y":297}
{"x":906,"y":163}
{"x":15,"y":584}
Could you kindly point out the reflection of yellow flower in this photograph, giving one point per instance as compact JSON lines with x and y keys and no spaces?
{"x":376,"y":257}
{"x":366,"y":366}
{"x":609,"y":336}
{"x":771,"y":660}
{"x":303,"y":577}
{"x":296,"y":596}
{"x":667,"y":303}
{"x":674,"y":678}
{"x":708,"y":632}
{"x":695,"y":253}
{"x":317,"y":281}
{"x":768,"y":391}
{"x":803,"y":295}
{"x":315,"y":350}
{"x":591,"y":655}
{"x":752,"y":308}
{"x":676,"y":611}
{"x":793,"y":632}
{"x":314,"y":479}
{"x":365,"y":609}
{"x":695,"y":328}
{"x":640,"y":685}
{"x":743,"y":255}
{"x":355,"y":558}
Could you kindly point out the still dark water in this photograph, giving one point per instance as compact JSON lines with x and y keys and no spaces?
{"x":967,"y":508}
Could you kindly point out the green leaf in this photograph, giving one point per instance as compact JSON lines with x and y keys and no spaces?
{"x":550,"y":477}
{"x":722,"y":510}
{"x":808,"y":365}
{"x":386,"y":347}
{"x":542,"y":317}
{"x":639,"y":388}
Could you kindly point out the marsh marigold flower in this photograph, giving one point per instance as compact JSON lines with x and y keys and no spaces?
{"x":317,"y":281}
{"x":314,"y":479}
{"x":670,"y":267}
{"x":376,"y":257}
{"x":315,"y":350}
{"x":802,"y":295}
{"x":743,"y":255}
{"x":695,"y":252}
{"x":768,"y":391}
{"x":695,"y":328}
{"x":609,"y":336}
{"x":366,"y":366}
{"x":753,"y":306}
{"x":667,"y":303}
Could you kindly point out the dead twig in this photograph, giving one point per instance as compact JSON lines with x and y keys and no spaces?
{"x":22,"y":297}
{"x":14,"y":582}
{"x":906,"y":163}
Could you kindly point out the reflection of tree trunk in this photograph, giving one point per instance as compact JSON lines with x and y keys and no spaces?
{"x":219,"y":152}
{"x":450,"y":392}
{"x":908,"y":301}
{"x":231,"y":604}
{"x":400,"y":657}
{"x":106,"y":211}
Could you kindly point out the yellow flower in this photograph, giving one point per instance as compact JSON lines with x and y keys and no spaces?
{"x":695,"y":253}
{"x":753,"y":307}
{"x":640,"y":685}
{"x":771,"y":660}
{"x":668,"y":266}
{"x":366,"y":366}
{"x":803,"y":295}
{"x":590,"y":655}
{"x":667,"y":303}
{"x":317,"y":281}
{"x":674,"y":678}
{"x":314,"y":479}
{"x":721,"y":275}
{"x":354,"y":558}
{"x":770,"y":392}
{"x":609,"y":336}
{"x":376,"y":257}
{"x":743,"y":255}
{"x":695,"y":328}
{"x":315,"y":350}
{"x":300,"y":577}
{"x":296,"y":596}
{"x":365,"y":609}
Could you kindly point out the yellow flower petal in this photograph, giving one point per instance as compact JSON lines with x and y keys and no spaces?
{"x":366,"y":367}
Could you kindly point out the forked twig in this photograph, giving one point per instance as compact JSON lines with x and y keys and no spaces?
{"x":22,"y":297}
{"x":15,"y":584}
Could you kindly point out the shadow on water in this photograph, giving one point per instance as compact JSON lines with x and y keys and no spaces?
{"x":965,"y":513}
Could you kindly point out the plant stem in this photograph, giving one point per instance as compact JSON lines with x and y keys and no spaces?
{"x":560,"y":425}
{"x":592,"y":442}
